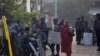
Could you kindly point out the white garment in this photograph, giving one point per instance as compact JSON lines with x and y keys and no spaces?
{"x":54,"y":38}
{"x":87,"y":38}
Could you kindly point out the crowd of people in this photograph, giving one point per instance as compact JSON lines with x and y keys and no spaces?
{"x":86,"y":34}
{"x":32,"y":41}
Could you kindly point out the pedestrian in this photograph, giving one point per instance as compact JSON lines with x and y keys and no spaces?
{"x":78,"y":30}
{"x":97,"y":30}
{"x":41,"y":38}
{"x":34,"y":25}
{"x":54,"y":37}
{"x":66,"y":38}
{"x":15,"y":29}
{"x":84,"y":23}
{"x":13,"y":35}
{"x":26,"y":48}
{"x":44,"y":29}
{"x":80,"y":26}
{"x":21,"y":37}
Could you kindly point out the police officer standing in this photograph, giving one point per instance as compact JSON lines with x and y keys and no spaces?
{"x":97,"y":30}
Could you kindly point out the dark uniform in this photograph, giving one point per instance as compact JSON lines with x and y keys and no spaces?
{"x":78,"y":30}
{"x":41,"y":37}
{"x":44,"y":29}
{"x":97,"y":30}
{"x":80,"y":27}
{"x":35,"y":24}
{"x":15,"y":29}
{"x":56,"y":29}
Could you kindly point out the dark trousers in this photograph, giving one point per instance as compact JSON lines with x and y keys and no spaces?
{"x":27,"y":51}
{"x":94,"y":38}
{"x":53,"y":49}
{"x":98,"y":38}
{"x":4,"y":50}
{"x":79,"y":36}
{"x":46,"y":42}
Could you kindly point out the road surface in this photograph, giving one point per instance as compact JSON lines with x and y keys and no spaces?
{"x":79,"y":50}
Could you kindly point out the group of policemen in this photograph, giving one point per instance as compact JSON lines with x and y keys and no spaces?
{"x":32,"y":41}
{"x":82,"y":26}
{"x":27,"y":41}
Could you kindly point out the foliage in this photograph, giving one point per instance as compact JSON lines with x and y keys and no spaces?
{"x":9,"y":4}
{"x":22,"y":15}
{"x":18,"y":11}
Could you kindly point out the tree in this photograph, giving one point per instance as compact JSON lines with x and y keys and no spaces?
{"x":11,"y":4}
{"x":23,"y":16}
{"x":16,"y":11}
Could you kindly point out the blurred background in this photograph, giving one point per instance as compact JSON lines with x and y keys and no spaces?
{"x":64,"y":9}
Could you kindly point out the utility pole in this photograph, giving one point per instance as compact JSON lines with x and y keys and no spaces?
{"x":41,"y":5}
{"x":56,"y":14}
{"x":36,"y":4}
{"x":28,"y":6}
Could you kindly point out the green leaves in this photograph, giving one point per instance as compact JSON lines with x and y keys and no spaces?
{"x":17,"y":9}
{"x":23,"y":16}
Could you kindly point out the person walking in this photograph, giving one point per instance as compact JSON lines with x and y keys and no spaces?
{"x":35,"y":23}
{"x":44,"y":29}
{"x":81,"y":26}
{"x":97,"y":30}
{"x":66,"y":38}
{"x":78,"y":30}
{"x":41,"y":38}
{"x":54,"y":37}
{"x":15,"y":29}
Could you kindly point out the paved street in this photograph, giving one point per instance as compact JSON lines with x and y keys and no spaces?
{"x":81,"y":51}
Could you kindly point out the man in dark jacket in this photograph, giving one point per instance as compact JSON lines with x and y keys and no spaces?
{"x":97,"y":30}
{"x":81,"y":26}
{"x":41,"y":38}
{"x":78,"y":30}
{"x":44,"y":29}
{"x":56,"y":29}
{"x":34,"y":25}
{"x":15,"y":29}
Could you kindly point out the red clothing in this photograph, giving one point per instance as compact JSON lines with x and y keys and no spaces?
{"x":66,"y":39}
